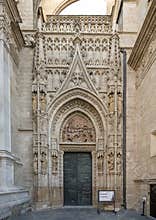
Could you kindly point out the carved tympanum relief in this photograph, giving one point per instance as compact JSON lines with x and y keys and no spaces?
{"x":78,"y":128}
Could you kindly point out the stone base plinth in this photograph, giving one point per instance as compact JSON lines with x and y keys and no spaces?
{"x":13,"y":202}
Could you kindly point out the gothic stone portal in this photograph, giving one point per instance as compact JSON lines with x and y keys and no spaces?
{"x":77,"y":104}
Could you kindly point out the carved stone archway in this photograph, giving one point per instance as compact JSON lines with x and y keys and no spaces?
{"x":76,"y":70}
{"x":78,"y":105}
{"x":78,"y":99}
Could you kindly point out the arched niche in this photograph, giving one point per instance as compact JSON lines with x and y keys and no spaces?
{"x":78,"y":128}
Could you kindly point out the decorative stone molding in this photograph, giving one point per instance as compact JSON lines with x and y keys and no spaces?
{"x":87,"y":24}
{"x":147,"y":61}
{"x":29,"y":39}
{"x":144,"y":38}
{"x":9,"y":156}
{"x":10,"y":32}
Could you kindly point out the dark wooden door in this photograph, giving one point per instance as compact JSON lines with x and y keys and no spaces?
{"x":77,"y":179}
{"x":153,"y":200}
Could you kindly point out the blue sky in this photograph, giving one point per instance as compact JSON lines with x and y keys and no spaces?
{"x":86,"y":7}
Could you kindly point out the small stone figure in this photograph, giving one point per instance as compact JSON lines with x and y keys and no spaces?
{"x":35,"y":162}
{"x":34,"y":103}
{"x":118,"y":162}
{"x":100,"y":163}
{"x":43,"y":102}
{"x":54,"y":159}
{"x":119,"y":104}
{"x":111,"y":161}
{"x":111,"y":103}
{"x":43,"y":163}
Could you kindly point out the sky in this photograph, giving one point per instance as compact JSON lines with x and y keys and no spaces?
{"x":86,"y":7}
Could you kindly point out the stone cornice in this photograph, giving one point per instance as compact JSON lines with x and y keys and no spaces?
{"x":12,"y":6}
{"x":6,"y":154}
{"x":144,"y":38}
{"x":10,"y":20}
{"x":17,"y":35}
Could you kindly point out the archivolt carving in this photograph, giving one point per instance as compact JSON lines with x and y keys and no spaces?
{"x":78,"y":93}
{"x":77,"y":105}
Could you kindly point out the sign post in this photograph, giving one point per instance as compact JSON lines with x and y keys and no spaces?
{"x":106,"y":197}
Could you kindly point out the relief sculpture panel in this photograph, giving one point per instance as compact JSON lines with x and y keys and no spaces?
{"x":78,"y":128}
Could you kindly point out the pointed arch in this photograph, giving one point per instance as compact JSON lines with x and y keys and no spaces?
{"x":62,"y":6}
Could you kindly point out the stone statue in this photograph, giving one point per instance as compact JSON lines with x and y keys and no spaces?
{"x":35,"y":162}
{"x":100,"y":163}
{"x":43,"y":102}
{"x":118,"y":162}
{"x":111,"y":103}
{"x":43,"y":163}
{"x":34,"y":103}
{"x":54,"y":159}
{"x":119,"y":104}
{"x":111,"y":161}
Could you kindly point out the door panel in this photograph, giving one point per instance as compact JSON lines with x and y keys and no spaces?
{"x":77,"y":179}
{"x":153,"y":200}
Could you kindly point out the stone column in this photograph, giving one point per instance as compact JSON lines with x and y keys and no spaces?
{"x":6,"y":159}
{"x":10,"y":195}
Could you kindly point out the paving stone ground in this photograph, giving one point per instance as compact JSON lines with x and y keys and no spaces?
{"x":79,"y":214}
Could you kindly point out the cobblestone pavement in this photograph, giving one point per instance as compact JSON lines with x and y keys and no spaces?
{"x":79,"y":214}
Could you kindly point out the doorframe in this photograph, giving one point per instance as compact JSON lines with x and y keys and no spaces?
{"x":78,"y":148}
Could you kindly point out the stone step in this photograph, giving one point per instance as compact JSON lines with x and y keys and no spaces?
{"x":14,"y":203}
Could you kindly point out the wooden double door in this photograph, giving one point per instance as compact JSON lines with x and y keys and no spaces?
{"x":77,"y":179}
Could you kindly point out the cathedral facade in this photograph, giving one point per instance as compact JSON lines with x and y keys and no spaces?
{"x":77,"y":113}
{"x":77,"y":106}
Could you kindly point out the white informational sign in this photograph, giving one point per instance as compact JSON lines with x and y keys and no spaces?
{"x":106,"y":196}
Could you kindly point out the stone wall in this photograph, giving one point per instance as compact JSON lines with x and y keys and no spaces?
{"x":143,"y":62}
{"x":24,"y":138}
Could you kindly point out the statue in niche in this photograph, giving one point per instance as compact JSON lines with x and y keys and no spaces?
{"x":54,"y":161}
{"x":34,"y":103}
{"x":111,"y":161}
{"x":41,"y":72}
{"x":35,"y":162}
{"x":43,"y":102}
{"x":111,"y":102}
{"x":119,"y":104}
{"x":43,"y":163}
{"x":100,"y":163}
{"x":43,"y":123}
{"x":118,"y":162}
